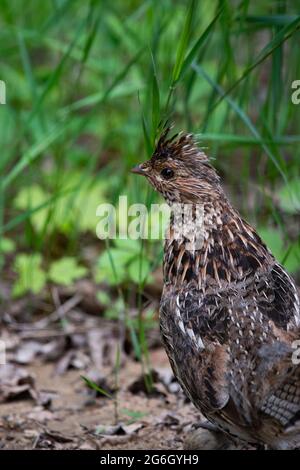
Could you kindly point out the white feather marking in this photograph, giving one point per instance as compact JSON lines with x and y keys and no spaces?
{"x":200,"y":343}
{"x":191,"y":334}
{"x":181,"y":326}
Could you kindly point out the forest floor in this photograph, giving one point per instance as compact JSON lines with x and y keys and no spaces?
{"x":46,"y":404}
{"x":70,"y":418}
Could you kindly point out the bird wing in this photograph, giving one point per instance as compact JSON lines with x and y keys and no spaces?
{"x":278,"y":297}
{"x":218,"y":344}
{"x":196,"y":348}
{"x":264,"y":381}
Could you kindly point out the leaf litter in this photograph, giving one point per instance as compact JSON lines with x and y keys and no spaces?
{"x":45,"y":403}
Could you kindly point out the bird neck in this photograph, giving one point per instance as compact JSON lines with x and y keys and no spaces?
{"x":213,"y":246}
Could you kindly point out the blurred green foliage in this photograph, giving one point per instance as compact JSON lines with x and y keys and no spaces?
{"x":87,"y":86}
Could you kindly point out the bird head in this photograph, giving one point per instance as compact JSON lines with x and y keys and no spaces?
{"x":179,"y":170}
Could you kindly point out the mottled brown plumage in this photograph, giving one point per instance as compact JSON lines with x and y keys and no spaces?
{"x":229,"y":312}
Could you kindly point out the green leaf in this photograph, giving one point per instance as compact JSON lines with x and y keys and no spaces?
{"x":139,"y":270}
{"x":128,"y":244}
{"x":33,"y":196}
{"x":273,"y":240}
{"x":135,"y":415}
{"x":292,"y":261}
{"x":29,"y":212}
{"x":290,"y":258}
{"x":289,"y":197}
{"x":114,"y":311}
{"x":68,"y":208}
{"x":31,"y":277}
{"x":65,"y":271}
{"x":111,"y":266}
{"x":103,"y":297}
{"x":7,"y":245}
{"x":86,"y":204}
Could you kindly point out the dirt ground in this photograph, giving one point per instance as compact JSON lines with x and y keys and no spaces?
{"x":71,"y":380}
{"x":73,"y":419}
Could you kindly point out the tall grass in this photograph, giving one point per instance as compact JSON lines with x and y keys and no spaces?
{"x":88,"y":84}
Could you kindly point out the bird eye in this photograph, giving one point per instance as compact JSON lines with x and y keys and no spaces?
{"x":167,"y":173}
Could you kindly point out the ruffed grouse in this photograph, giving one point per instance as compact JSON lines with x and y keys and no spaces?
{"x":229,"y":312}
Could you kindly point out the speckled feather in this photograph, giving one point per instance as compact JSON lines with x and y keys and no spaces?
{"x":229,"y":312}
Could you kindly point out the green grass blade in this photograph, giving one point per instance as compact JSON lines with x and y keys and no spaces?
{"x":96,"y":387}
{"x":184,"y":41}
{"x":155,"y":102}
{"x":243,"y":117}
{"x":280,"y":38}
{"x":199,"y":43}
{"x":32,"y":154}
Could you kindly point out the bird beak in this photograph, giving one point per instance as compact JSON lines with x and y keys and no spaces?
{"x":138,"y":170}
